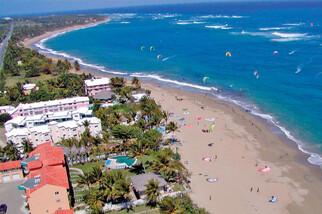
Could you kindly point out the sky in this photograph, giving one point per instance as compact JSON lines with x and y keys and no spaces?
{"x":16,"y":7}
{"x":8,"y":7}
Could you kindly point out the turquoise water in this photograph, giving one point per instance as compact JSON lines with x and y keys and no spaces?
{"x":275,"y":70}
{"x":124,"y":159}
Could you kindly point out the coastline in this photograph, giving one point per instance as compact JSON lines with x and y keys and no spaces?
{"x":241,"y":141}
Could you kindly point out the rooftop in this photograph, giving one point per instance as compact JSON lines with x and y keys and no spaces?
{"x":104,"y":95}
{"x":96,"y":82}
{"x":46,"y":166}
{"x":52,"y":102}
{"x":10,"y":165}
{"x":139,"y":181}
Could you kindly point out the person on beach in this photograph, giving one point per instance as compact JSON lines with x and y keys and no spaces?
{"x":257,"y":189}
{"x":251,"y":189}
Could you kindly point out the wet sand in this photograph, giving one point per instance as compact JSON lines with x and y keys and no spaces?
{"x":241,"y":144}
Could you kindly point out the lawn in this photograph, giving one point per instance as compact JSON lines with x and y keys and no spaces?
{"x":12,"y":80}
{"x":87,"y":167}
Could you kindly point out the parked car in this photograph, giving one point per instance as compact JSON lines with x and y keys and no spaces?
{"x":3,"y":209}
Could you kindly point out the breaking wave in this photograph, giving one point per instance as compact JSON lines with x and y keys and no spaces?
{"x":221,"y":27}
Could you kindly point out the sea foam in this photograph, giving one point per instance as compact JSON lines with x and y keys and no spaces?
{"x":221,"y":27}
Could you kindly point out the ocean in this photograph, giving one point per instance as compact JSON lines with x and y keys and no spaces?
{"x":267,"y":58}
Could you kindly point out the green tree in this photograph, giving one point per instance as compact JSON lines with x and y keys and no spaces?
{"x":84,"y":180}
{"x":96,"y":174}
{"x":180,"y":204}
{"x":4,"y":117}
{"x":117,"y":83}
{"x":125,"y":133}
{"x":115,"y":186}
{"x":94,"y":199}
{"x":152,"y":192}
{"x":164,"y":163}
{"x":27,"y":146}
{"x":10,"y":152}
{"x":172,"y":127}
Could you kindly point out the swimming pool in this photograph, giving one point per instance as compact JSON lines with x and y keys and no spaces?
{"x":120,"y":162}
{"x":125,"y":159}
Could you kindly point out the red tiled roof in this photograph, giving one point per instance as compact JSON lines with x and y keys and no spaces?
{"x":71,"y":211}
{"x":49,"y":166}
{"x":53,"y":175}
{"x":49,"y":155}
{"x":33,"y":165}
{"x":10,"y":165}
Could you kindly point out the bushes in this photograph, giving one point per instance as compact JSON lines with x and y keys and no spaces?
{"x":4,"y":118}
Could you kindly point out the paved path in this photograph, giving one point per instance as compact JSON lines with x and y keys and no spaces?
{"x":4,"y":44}
{"x":12,"y":197}
{"x":76,"y":170}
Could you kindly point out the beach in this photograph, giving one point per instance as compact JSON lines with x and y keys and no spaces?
{"x":247,"y":161}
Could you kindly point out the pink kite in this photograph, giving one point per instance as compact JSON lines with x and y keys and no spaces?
{"x":208,"y":159}
{"x":264,"y":169}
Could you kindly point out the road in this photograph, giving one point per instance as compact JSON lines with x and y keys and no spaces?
{"x":4,"y":44}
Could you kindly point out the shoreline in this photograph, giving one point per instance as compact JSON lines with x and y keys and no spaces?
{"x":255,"y":134}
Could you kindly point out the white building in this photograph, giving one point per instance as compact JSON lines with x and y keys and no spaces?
{"x":6,"y":109}
{"x":93,"y":86}
{"x":28,"y":88}
{"x":45,"y":107}
{"x":51,"y":127}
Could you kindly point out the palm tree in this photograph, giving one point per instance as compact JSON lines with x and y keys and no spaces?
{"x":115,"y":186}
{"x":136,"y":83}
{"x":93,"y":198}
{"x":27,"y":147}
{"x":167,"y":205}
{"x":165,"y":116}
{"x":96,"y":174}
{"x":84,"y":180}
{"x":172,"y":127}
{"x":152,"y":192}
{"x":86,"y":124}
{"x":169,"y":168}
{"x":11,"y":152}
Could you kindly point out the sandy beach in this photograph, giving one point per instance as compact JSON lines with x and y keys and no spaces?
{"x":30,"y":41}
{"x":234,"y":155}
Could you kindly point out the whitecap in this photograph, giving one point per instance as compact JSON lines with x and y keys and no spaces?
{"x":125,"y":22}
{"x":294,"y":24}
{"x":221,"y":17}
{"x":289,"y":35}
{"x":249,"y":33}
{"x":164,"y":16}
{"x":273,"y":28}
{"x":221,"y":27}
{"x":185,"y":84}
{"x":188,"y":22}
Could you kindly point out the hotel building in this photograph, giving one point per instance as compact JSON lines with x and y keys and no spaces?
{"x":93,"y":86}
